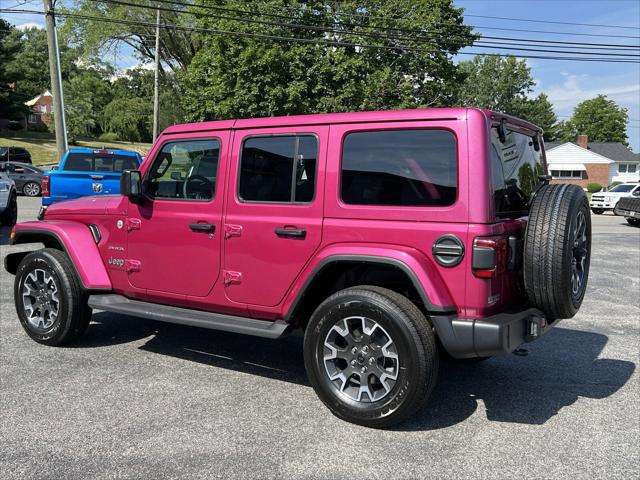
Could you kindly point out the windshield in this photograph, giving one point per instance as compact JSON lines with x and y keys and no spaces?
{"x":622,"y":188}
{"x":91,"y":162}
{"x":515,"y":168}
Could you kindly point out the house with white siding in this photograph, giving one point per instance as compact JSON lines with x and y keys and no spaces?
{"x":582,"y":162}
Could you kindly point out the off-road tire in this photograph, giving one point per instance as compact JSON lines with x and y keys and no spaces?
{"x":552,"y":245}
{"x":416,"y":348}
{"x":597,"y":211}
{"x":10,"y":215}
{"x":74,"y":313}
{"x":634,"y":222}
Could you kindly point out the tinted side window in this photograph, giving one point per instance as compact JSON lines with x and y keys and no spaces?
{"x":278,"y":169}
{"x":400,"y":167}
{"x":185,"y":170}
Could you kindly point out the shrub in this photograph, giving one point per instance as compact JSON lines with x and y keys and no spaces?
{"x":109,"y":137}
{"x":594,"y":187}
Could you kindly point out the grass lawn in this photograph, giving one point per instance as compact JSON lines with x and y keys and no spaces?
{"x":42,"y":146}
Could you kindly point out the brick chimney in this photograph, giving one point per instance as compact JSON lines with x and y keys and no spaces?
{"x":582,"y":141}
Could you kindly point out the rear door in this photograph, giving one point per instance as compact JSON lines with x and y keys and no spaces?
{"x":273,"y":222}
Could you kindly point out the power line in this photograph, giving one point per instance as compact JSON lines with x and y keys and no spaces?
{"x":331,"y":42}
{"x":377,"y":36}
{"x":360,"y":15}
{"x":552,"y":22}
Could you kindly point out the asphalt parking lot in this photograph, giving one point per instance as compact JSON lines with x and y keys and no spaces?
{"x":141,"y":399}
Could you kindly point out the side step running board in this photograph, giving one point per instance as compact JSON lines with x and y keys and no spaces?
{"x":185,"y":316}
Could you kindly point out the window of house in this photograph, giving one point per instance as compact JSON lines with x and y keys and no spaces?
{"x":400,"y":168}
{"x":185,"y":170}
{"x":33,"y":118}
{"x":567,"y":174}
{"x":627,"y":168}
{"x":278,"y":168}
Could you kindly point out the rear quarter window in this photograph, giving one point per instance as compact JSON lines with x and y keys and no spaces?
{"x":399,"y":168}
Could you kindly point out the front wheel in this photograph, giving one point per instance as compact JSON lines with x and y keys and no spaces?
{"x":634,"y":222}
{"x":597,"y":211}
{"x":371,"y":356}
{"x":51,"y":305}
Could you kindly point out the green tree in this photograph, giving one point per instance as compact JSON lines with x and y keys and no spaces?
{"x":504,"y":84}
{"x":11,"y":102}
{"x":96,"y":37}
{"x":128,"y":118}
{"x":239,"y":76}
{"x":600,"y":118}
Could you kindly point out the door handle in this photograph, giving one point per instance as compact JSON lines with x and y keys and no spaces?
{"x":284,"y":232}
{"x":203,"y":227}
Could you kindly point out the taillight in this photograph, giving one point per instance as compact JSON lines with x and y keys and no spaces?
{"x":489,"y":256}
{"x":45,"y":186}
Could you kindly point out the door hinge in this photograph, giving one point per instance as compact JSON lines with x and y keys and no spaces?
{"x":231,"y":230}
{"x":132,"y":265}
{"x":232,"y":278}
{"x":133,"y":224}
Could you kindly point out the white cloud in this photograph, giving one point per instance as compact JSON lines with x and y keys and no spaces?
{"x":26,"y":25}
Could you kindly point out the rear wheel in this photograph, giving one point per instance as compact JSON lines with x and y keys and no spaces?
{"x":597,"y":211}
{"x":635,"y":222}
{"x":31,"y":189}
{"x":371,"y":356}
{"x":51,"y":305}
{"x":10,"y":215}
{"x":557,"y":250}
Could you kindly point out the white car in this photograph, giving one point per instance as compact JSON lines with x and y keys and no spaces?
{"x":602,"y":201}
{"x":8,"y":199}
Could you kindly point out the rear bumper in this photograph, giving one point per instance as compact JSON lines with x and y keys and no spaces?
{"x":490,"y":336}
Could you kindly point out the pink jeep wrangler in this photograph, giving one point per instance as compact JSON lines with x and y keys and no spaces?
{"x":386,"y":236}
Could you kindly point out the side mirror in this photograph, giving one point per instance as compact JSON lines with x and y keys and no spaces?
{"x":176,"y":176}
{"x":636,"y":193}
{"x":131,"y":184}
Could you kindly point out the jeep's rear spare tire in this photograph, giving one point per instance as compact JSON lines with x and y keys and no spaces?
{"x":557,"y":250}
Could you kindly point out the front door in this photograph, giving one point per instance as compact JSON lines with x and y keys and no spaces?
{"x":273,"y":222}
{"x":174,"y":233}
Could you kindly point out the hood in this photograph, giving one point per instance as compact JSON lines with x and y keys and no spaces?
{"x":98,"y":205}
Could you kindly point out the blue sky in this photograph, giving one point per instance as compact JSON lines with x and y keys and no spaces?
{"x":566,"y":82}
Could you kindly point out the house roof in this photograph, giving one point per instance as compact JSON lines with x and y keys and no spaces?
{"x":570,"y":153}
{"x":35,"y":100}
{"x":615,"y":151}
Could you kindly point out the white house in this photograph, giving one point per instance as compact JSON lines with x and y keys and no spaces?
{"x":582,"y":163}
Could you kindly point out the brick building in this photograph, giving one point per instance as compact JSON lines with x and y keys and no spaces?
{"x":40,"y":110}
{"x":582,"y":162}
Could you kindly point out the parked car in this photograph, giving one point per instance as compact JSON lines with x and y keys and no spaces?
{"x":15,"y":154}
{"x":629,"y":208}
{"x":8,"y":199}
{"x":28,"y":179}
{"x":386,"y":236}
{"x":602,"y":201}
{"x":85,"y":171}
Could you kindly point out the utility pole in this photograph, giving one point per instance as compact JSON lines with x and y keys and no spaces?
{"x":156,"y":87}
{"x":56,"y":78}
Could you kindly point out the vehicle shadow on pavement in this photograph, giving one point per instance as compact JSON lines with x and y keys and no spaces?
{"x":559,"y":369}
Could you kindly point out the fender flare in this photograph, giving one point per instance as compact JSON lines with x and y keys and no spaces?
{"x":76,"y":241}
{"x":431,"y":307}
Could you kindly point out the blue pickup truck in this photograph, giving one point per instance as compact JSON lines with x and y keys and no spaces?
{"x":85,"y":171}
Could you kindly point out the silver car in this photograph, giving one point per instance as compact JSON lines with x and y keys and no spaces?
{"x":8,"y":198}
